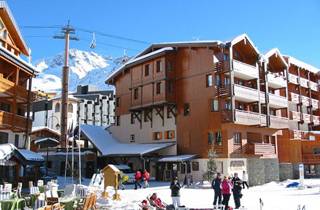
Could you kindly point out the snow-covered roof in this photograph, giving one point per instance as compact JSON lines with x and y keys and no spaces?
{"x":177,"y":158}
{"x":70,"y":97}
{"x":6,"y":151}
{"x":244,"y":37}
{"x":275,"y":51}
{"x":113,"y":167}
{"x":302,"y":64}
{"x":46,"y":139}
{"x":136,"y":59}
{"x":39,"y":128}
{"x":109,"y":146}
{"x":30,"y":156}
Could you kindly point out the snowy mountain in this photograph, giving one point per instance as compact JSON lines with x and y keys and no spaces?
{"x":85,"y":68}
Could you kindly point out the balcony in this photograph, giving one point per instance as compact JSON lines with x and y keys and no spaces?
{"x":245,"y":71}
{"x":12,"y":121}
{"x":260,"y":149}
{"x":304,"y":82}
{"x":295,"y":98}
{"x":275,"y":81}
{"x":306,"y":118}
{"x":278,"y":122}
{"x":315,"y":103}
{"x":277,"y":101}
{"x":245,"y":94}
{"x":313,"y":86}
{"x":250,"y":118}
{"x":311,"y":158}
{"x":7,"y":89}
{"x":293,"y":78}
{"x":316,"y":120}
{"x":305,"y":100}
{"x":296,"y":116}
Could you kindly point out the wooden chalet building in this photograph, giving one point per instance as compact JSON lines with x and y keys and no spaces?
{"x":221,"y":95}
{"x":15,"y":82}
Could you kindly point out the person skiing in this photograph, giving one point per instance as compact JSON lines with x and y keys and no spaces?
{"x":245,"y":180}
{"x":217,"y":191}
{"x":226,"y":187}
{"x":146,"y":178}
{"x":236,"y":181}
{"x":137,"y":178}
{"x":175,"y":192}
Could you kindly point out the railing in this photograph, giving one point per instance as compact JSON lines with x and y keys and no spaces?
{"x":295,"y":115}
{"x":313,"y":86}
{"x":244,"y":70}
{"x":306,"y":118}
{"x":305,"y":100}
{"x":298,"y":134}
{"x":10,"y":120}
{"x":276,"y":81}
{"x":315,"y":103}
{"x":311,"y":158}
{"x":293,"y":78}
{"x":7,"y":87}
{"x":250,"y":118}
{"x":277,"y":101}
{"x":295,"y":98}
{"x":246,"y":94}
{"x":304,"y":82}
{"x":264,"y":149}
{"x":278,"y":122}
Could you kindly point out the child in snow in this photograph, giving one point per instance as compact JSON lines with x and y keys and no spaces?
{"x":156,"y":202}
{"x":226,"y":187}
{"x":175,"y":192}
{"x":137,"y":178}
{"x":146,"y":178}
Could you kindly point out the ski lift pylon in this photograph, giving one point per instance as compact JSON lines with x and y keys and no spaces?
{"x":93,"y":42}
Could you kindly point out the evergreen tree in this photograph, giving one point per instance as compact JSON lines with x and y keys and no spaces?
{"x":211,"y":165}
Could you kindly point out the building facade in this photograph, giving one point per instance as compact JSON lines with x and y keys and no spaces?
{"x":87,"y":106}
{"x":204,"y":95}
{"x":15,"y":82}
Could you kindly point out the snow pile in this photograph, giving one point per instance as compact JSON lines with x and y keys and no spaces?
{"x":85,"y":68}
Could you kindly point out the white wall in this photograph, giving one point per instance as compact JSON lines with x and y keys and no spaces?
{"x":11,"y":138}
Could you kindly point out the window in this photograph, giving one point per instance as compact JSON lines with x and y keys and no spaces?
{"x":170,"y":86}
{"x":118,"y":120}
{"x":209,"y":80}
{"x":70,"y":108}
{"x":16,"y":140}
{"x":214,"y":105}
{"x":117,"y":101}
{"x":170,"y":134}
{"x":227,"y":105}
{"x":4,"y":137}
{"x":218,"y":138}
{"x":57,"y":107}
{"x":157,"y":135}
{"x":237,"y":138}
{"x":169,"y":66}
{"x":210,"y":138}
{"x":169,"y":115}
{"x":195,"y":166}
{"x":226,"y":81}
{"x":135,"y":94}
{"x":217,"y":80}
{"x":5,"y":107}
{"x":146,"y":70}
{"x":132,"y":118}
{"x":183,"y":168}
{"x":158,"y":66}
{"x":158,"y":88}
{"x":186,"y":109}
{"x":132,"y":138}
{"x":145,"y":116}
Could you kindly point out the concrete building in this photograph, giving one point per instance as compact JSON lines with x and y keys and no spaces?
{"x":87,"y":105}
{"x":204,"y":95}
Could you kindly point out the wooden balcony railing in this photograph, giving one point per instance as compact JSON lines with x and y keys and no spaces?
{"x":316,"y":120}
{"x":245,"y":71}
{"x":313,"y":86}
{"x":11,"y":121}
{"x":295,"y":115}
{"x":306,"y":118}
{"x":315,"y":103}
{"x":295,"y":98}
{"x":276,"y":81}
{"x":304,"y":82}
{"x":305,"y":100}
{"x":260,"y":149}
{"x":311,"y":158}
{"x":250,"y":118}
{"x":9,"y":88}
{"x":278,"y":122}
{"x":293,"y":78}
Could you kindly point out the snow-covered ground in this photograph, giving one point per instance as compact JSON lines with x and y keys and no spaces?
{"x":274,"y":195}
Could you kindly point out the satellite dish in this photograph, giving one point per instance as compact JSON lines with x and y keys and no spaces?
{"x":93,"y":42}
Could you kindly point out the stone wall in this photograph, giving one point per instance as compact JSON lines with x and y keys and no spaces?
{"x":286,"y":171}
{"x":261,"y":171}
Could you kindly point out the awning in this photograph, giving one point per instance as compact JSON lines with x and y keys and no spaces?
{"x":177,"y":158}
{"x":109,"y":146}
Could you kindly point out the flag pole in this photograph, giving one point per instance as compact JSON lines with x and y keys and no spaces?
{"x":79,"y":135}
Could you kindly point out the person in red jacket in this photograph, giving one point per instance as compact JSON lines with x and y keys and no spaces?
{"x":137,"y":178}
{"x":226,"y":187}
{"x":146,"y":178}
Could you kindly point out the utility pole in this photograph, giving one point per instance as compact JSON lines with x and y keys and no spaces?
{"x":66,"y":34}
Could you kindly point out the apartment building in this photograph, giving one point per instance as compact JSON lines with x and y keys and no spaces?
{"x":15,"y":82}
{"x":87,"y":106}
{"x":203,"y":95}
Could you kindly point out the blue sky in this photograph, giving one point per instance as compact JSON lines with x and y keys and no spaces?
{"x":292,"y":26}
